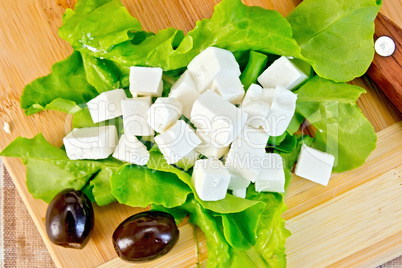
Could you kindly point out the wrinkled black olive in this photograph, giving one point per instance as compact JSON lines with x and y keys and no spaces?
{"x":69,"y":219}
{"x":145,"y":236}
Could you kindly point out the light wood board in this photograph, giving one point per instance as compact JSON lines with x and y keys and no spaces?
{"x":355,"y":221}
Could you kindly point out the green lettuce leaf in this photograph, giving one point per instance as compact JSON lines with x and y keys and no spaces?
{"x":83,"y":118}
{"x":231,"y":204}
{"x":342,"y":129}
{"x":137,"y":186}
{"x":294,"y":124}
{"x":46,"y":178}
{"x":218,"y":248}
{"x":62,"y":90}
{"x":240,"y":229}
{"x":269,"y":249}
{"x":50,"y":171}
{"x":103,"y":74}
{"x":336,"y":36}
{"x":87,"y":190}
{"x":87,"y":6}
{"x":48,"y":168}
{"x":256,"y":64}
{"x":233,"y":26}
{"x":177,"y":212}
{"x":98,"y":27}
{"x":155,"y":51}
{"x":283,"y":143}
{"x":237,"y":27}
{"x":99,"y":185}
{"x":275,"y":141}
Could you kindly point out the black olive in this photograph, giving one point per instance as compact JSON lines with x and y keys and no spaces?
{"x":145,"y":236}
{"x":69,"y":219}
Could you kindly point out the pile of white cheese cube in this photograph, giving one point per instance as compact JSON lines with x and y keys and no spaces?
{"x":226,"y":142}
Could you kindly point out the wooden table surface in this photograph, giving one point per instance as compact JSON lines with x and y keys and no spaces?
{"x":355,"y":221}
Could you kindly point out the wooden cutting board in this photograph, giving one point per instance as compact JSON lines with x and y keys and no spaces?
{"x":355,"y":221}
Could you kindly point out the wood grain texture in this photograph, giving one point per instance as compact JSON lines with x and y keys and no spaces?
{"x":30,"y":46}
{"x":386,"y":72}
{"x":324,"y":235}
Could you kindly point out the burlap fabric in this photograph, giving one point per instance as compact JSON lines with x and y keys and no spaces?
{"x":20,"y":242}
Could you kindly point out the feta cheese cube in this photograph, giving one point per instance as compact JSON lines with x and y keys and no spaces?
{"x":314,"y":165}
{"x":254,"y":93}
{"x":240,"y":192}
{"x":210,"y":64}
{"x":177,"y":141}
{"x":244,"y":160}
{"x":163,"y":113}
{"x":146,"y":81}
{"x":229,"y":87}
{"x":281,"y":112}
{"x":131,"y":150}
{"x":210,"y":179}
{"x":188,"y":161}
{"x":268,"y":95}
{"x":257,"y":113}
{"x":91,"y":142}
{"x":254,"y":106}
{"x":106,"y":105}
{"x":214,"y":116}
{"x":135,"y":117}
{"x":185,"y":91}
{"x":257,"y":93}
{"x":272,"y":176}
{"x":282,"y":72}
{"x":237,"y":183}
{"x":209,"y":148}
{"x":256,"y":137}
